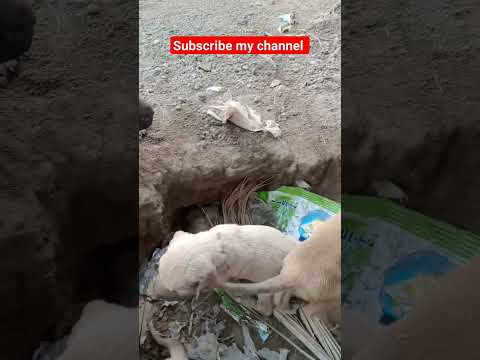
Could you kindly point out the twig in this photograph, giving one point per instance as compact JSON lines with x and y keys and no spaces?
{"x":206,"y":216}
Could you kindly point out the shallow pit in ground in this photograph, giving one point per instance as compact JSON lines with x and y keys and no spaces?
{"x":204,"y":327}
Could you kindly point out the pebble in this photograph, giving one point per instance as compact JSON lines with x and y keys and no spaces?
{"x":275,"y":83}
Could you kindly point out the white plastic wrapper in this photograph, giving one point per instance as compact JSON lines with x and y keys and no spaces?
{"x":243,"y":116}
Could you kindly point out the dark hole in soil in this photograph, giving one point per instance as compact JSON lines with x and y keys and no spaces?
{"x":110,"y":273}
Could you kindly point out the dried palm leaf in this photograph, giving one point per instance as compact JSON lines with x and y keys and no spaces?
{"x":235,"y":204}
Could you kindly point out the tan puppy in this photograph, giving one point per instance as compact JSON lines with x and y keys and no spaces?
{"x":311,"y":272}
{"x":195,"y":263}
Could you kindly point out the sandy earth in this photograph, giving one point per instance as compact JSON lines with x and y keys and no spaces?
{"x":306,"y":104}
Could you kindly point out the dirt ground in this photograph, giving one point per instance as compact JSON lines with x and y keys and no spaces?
{"x":300,"y":92}
{"x":306,"y":103}
{"x":187,"y":157}
{"x":56,"y":114}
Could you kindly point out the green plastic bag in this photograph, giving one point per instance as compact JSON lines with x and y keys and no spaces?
{"x":392,"y":255}
{"x":297,"y":209}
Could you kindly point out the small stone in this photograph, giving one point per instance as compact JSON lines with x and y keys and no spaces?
{"x":275,"y":83}
{"x":202,"y":97}
{"x":178,"y":108}
{"x":214,"y":89}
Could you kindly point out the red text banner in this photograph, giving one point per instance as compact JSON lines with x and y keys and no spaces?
{"x":241,"y":45}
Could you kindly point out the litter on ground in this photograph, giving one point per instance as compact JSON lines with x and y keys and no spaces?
{"x":287,"y":22}
{"x":218,"y":325}
{"x":243,"y":116}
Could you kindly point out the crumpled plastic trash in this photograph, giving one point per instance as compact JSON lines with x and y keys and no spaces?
{"x":233,"y":353}
{"x":288,"y":20}
{"x":149,"y":271}
{"x":243,"y":116}
{"x":206,"y":348}
{"x":268,"y":354}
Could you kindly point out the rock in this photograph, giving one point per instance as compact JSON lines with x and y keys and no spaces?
{"x":215,"y":89}
{"x":275,"y":83}
{"x":202,"y":97}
